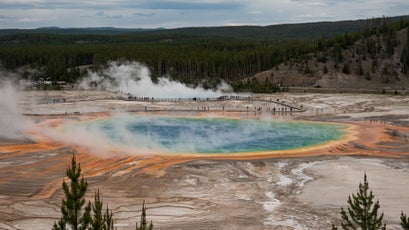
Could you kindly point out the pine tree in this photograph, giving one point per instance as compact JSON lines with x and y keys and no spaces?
{"x":325,"y":69}
{"x":404,"y":221}
{"x":71,"y":206}
{"x":144,"y":225}
{"x":360,"y":69}
{"x":86,"y":217}
{"x":108,"y":221}
{"x":346,"y":69}
{"x":100,"y":221}
{"x":97,"y":220}
{"x":362,"y":212}
{"x":60,"y":225}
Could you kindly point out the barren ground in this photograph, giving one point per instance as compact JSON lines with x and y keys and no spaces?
{"x":268,"y":192}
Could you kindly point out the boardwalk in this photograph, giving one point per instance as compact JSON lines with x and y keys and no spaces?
{"x":276,"y":105}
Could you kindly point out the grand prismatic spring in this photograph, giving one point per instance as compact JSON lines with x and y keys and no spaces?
{"x":164,"y":134}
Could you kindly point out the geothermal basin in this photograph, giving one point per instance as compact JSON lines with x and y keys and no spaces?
{"x":199,"y":169}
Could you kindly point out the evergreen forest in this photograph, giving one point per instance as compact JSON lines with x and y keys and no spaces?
{"x":193,"y":56}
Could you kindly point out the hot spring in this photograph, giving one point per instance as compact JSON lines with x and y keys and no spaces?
{"x":163,"y":134}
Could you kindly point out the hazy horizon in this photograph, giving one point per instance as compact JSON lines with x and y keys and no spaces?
{"x":165,"y":28}
{"x":30,"y":14}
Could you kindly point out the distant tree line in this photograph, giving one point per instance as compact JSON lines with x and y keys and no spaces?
{"x":191,"y":59}
{"x":193,"y":62}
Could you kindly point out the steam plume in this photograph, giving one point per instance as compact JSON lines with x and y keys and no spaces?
{"x":134,"y":78}
{"x":12,"y":123}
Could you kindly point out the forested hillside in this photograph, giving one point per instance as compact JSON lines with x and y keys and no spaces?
{"x":193,"y":58}
{"x":373,"y":59}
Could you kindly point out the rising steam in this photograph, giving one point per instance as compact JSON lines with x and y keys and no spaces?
{"x":12,"y":123}
{"x":134,"y":78}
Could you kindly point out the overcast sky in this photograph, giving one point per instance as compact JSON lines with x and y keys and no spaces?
{"x":183,"y":13}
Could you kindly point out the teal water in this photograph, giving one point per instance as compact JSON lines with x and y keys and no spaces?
{"x":214,"y":135}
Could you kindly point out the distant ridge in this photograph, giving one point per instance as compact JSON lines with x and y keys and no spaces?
{"x":311,"y":30}
{"x":76,"y":31}
{"x":298,"y":31}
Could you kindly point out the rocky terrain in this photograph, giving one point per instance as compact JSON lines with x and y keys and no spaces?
{"x":293,"y":191}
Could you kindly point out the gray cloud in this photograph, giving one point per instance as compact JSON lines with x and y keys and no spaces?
{"x":145,"y":14}
{"x":397,"y":8}
{"x":28,"y":5}
{"x":2,"y":17}
{"x":117,"y":16}
{"x":99,"y":13}
{"x":180,"y":5}
{"x":328,"y":2}
{"x":143,"y":4}
{"x":182,"y":13}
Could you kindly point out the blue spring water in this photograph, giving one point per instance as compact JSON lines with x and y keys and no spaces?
{"x":214,"y":135}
